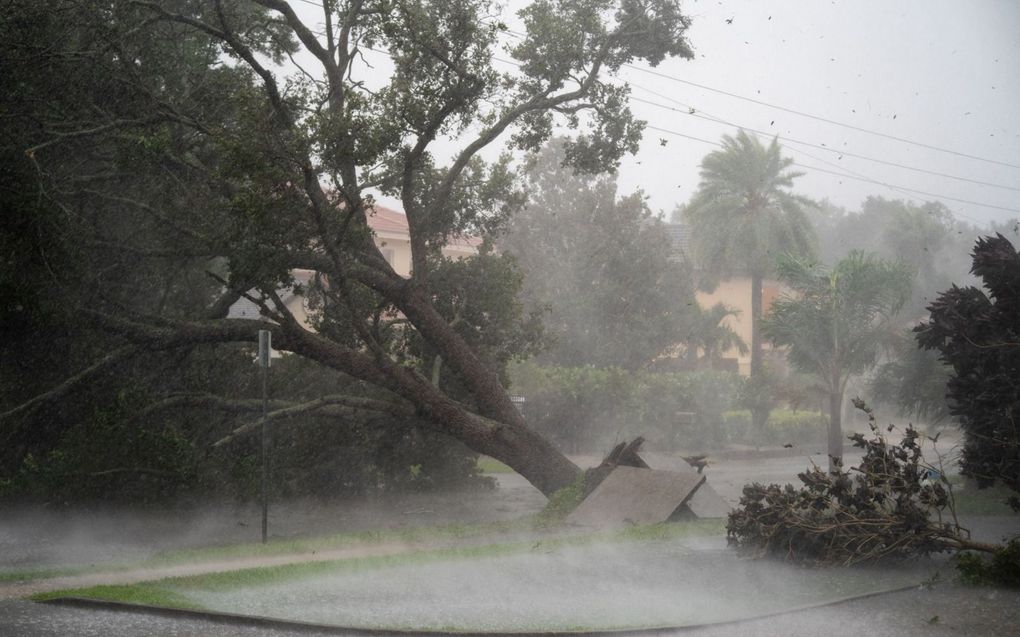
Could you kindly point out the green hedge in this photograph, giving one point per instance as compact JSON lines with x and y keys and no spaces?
{"x":784,"y":426}
{"x":588,"y":408}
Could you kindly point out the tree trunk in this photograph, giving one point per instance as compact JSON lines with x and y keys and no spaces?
{"x":759,"y":412}
{"x":510,"y":441}
{"x":515,"y":445}
{"x":835,"y":429}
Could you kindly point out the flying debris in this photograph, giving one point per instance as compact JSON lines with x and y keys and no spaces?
{"x":698,"y":462}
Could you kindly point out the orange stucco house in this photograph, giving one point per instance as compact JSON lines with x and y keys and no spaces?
{"x":734,"y":293}
{"x":394,"y":240}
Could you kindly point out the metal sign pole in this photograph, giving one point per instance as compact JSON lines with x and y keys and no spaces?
{"x":265,"y":349}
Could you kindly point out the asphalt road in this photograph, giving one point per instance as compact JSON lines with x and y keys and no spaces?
{"x":944,"y":610}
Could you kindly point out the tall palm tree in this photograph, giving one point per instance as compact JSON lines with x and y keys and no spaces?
{"x":837,"y":321}
{"x":742,"y":217}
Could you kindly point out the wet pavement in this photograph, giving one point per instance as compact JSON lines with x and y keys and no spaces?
{"x":944,"y":610}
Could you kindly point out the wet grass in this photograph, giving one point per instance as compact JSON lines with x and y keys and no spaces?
{"x":491,"y":465}
{"x":533,"y":527}
{"x":990,"y":501}
{"x":148,"y":594}
{"x":293,"y":546}
{"x":29,"y":574}
{"x":167,"y":590}
{"x":655,"y":582}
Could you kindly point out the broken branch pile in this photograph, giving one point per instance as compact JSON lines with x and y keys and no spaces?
{"x":893,"y":505}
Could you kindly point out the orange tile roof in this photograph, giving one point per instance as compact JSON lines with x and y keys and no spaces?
{"x":383,"y":219}
{"x":386,"y":220}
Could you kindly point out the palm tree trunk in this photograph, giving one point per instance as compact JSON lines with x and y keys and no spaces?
{"x":835,"y":429}
{"x":759,"y":412}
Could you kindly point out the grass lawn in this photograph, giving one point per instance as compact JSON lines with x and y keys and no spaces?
{"x":974,"y":501}
{"x":638,"y":577}
{"x":491,"y":465}
{"x":166,"y":592}
{"x":415,"y":535}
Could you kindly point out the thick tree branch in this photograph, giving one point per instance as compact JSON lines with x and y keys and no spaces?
{"x":112,"y":359}
{"x":351,"y":405}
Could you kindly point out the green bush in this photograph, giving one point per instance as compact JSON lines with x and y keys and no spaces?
{"x":1002,"y":568}
{"x":111,"y":449}
{"x":784,"y":426}
{"x":105,"y":456}
{"x":588,"y":408}
{"x":564,"y":501}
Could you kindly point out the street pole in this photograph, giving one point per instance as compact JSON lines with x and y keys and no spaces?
{"x":265,"y":348}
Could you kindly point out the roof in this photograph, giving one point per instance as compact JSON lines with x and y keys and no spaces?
{"x":384,"y":220}
{"x":630,"y":495}
{"x":247,"y":309}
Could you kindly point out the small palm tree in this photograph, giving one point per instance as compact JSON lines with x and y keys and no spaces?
{"x":837,"y":322}
{"x":712,"y":336}
{"x":742,"y":217}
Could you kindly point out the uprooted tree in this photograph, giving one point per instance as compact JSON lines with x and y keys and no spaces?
{"x":182,"y":169}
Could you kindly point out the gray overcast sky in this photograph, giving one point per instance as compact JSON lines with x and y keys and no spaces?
{"x":940,"y":72}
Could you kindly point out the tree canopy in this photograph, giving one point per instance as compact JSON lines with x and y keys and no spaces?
{"x":975,"y":332}
{"x":184,"y":151}
{"x":602,"y":266}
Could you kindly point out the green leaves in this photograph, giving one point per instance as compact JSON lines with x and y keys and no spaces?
{"x":743,"y":214}
{"x":884,"y":509}
{"x":601,"y":264}
{"x":976,"y":332}
{"x":836,"y":320}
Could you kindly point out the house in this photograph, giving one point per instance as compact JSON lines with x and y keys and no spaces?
{"x":394,"y":240}
{"x":734,"y":293}
{"x":392,"y":235}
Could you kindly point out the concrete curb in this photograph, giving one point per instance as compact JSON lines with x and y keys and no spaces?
{"x":259,"y":621}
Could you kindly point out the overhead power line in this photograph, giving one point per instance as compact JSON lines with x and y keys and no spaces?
{"x":846,"y":175}
{"x":692,"y":112}
{"x":914,"y":190}
{"x":793,"y":111}
{"x":819,"y":118}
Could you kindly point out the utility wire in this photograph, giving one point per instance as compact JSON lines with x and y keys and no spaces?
{"x":838,"y":174}
{"x":785,"y":109}
{"x":821,"y":119}
{"x":842,"y":170}
{"x":693,"y":112}
{"x":893,"y":187}
{"x":857,"y":177}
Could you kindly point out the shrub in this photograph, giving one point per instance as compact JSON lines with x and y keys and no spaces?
{"x":564,"y":501}
{"x":1001,"y":568}
{"x":587,"y":408}
{"x":783,"y":426}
